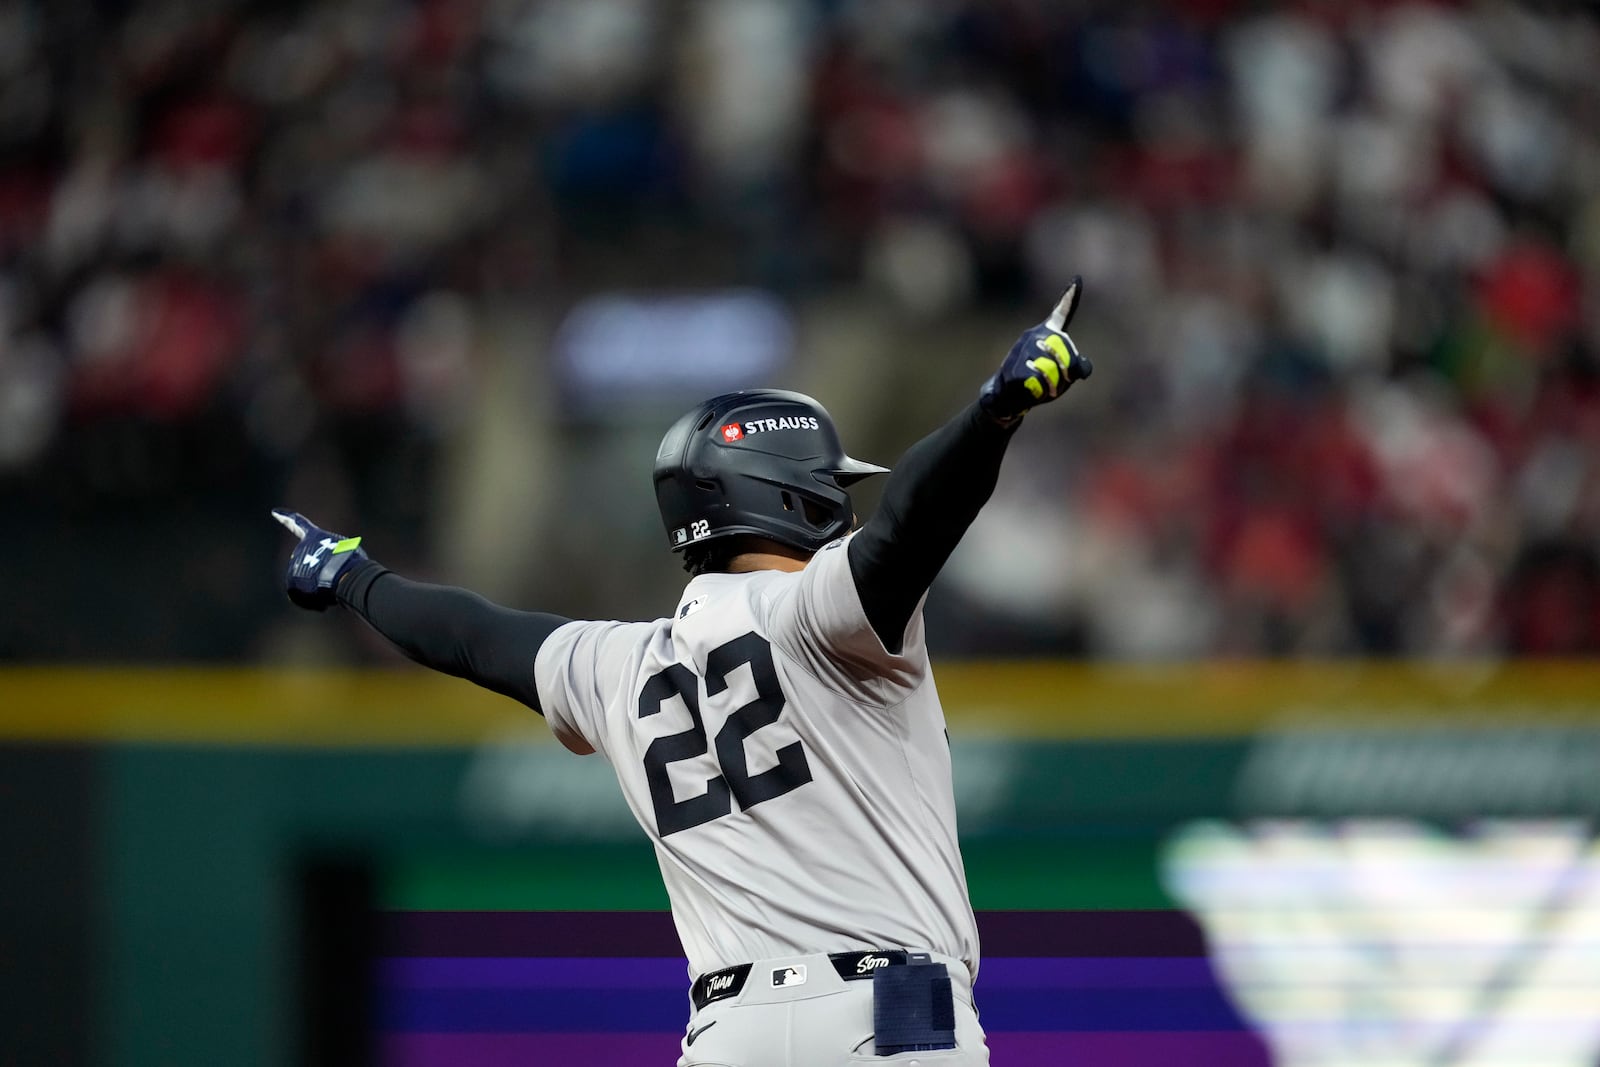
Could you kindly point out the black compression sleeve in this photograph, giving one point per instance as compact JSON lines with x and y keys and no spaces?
{"x":451,"y":630}
{"x":935,"y":492}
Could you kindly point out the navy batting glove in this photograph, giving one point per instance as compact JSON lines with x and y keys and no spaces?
{"x":1041,"y":366}
{"x":317,"y":562}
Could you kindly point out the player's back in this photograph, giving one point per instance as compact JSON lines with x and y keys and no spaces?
{"x":792,"y":772}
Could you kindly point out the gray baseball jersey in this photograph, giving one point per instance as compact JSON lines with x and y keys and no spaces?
{"x":793,"y":774}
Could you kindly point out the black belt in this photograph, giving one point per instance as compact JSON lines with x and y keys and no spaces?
{"x":851,"y":966}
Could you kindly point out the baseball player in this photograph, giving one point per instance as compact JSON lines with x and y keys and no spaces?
{"x":778,"y":734}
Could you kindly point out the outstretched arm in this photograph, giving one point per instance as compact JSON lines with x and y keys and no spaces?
{"x":451,"y":630}
{"x":943,"y":481}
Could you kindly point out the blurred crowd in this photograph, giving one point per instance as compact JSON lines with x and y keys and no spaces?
{"x":1342,"y":262}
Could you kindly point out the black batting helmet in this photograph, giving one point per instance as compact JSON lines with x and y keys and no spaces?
{"x":762,"y":461}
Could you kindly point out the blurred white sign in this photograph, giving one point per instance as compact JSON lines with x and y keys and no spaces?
{"x":1395,"y":764}
{"x":1392,"y":944}
{"x":615,"y":353}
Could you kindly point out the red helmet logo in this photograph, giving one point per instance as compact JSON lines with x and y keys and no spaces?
{"x":732,"y":432}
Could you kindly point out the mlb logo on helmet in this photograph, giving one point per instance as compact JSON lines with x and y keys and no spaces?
{"x":732,"y":432}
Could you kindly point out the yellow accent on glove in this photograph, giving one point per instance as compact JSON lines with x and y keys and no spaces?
{"x":1050,"y":369}
{"x":1054,"y":369}
{"x":1058,"y":348}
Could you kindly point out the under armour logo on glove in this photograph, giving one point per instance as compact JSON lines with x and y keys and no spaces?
{"x":317,"y":561}
{"x":1041,"y":366}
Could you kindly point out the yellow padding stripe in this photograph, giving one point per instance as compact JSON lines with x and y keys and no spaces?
{"x":402,"y":706}
{"x":1048,"y":699}
{"x":412,"y":706}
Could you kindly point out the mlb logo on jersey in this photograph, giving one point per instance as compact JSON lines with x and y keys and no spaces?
{"x":732,"y":432}
{"x":785,"y":976}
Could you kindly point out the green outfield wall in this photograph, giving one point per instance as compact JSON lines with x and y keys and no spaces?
{"x":160,"y":822}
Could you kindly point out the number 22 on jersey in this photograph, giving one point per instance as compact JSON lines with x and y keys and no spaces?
{"x":735,"y":783}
